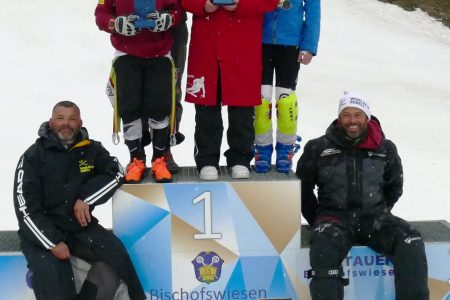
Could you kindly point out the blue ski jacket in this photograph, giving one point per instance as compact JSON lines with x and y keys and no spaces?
{"x":294,"y":23}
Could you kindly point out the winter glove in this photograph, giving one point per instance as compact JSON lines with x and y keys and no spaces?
{"x":124,"y":25}
{"x":163,"y":21}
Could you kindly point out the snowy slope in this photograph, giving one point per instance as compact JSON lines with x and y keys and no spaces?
{"x":52,"y":50}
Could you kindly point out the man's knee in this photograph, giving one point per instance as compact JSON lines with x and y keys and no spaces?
{"x":329,"y":246}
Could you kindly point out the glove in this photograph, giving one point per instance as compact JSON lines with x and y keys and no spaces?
{"x":163,"y":20}
{"x":124,"y":25}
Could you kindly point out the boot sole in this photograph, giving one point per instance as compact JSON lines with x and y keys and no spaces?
{"x":262,"y":167}
{"x":174,"y":170}
{"x":209,"y":178}
{"x":138,"y":181}
{"x":163,"y":180}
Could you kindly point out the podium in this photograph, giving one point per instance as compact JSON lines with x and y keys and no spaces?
{"x":225,"y":239}
{"x":231,"y":239}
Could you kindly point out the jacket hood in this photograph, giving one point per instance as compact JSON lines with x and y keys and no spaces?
{"x":46,"y":134}
{"x":371,"y":139}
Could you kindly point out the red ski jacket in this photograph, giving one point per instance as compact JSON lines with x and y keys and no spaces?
{"x":231,"y":42}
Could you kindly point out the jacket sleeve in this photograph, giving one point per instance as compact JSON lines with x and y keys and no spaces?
{"x":311,"y":27}
{"x":103,"y":13}
{"x":307,"y":172}
{"x":34,"y":224}
{"x":174,"y":7}
{"x":108,"y":177}
{"x":393,"y":175}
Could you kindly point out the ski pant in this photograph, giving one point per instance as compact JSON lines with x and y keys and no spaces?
{"x":178,"y":53}
{"x":281,"y":61}
{"x":209,"y":131}
{"x":143,"y":87}
{"x":335,"y":233}
{"x":53,"y":278}
{"x":144,"y":94}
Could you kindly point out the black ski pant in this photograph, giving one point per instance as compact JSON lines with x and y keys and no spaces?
{"x":143,"y":87}
{"x":178,"y":53}
{"x":53,"y":278}
{"x":335,"y":233}
{"x":209,"y":131}
{"x":283,"y":60}
{"x":144,"y":91}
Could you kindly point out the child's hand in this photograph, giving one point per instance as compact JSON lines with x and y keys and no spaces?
{"x":209,"y":7}
{"x":232,"y":7}
{"x":304,"y":57}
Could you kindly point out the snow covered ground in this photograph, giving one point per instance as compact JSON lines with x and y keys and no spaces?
{"x":52,"y":50}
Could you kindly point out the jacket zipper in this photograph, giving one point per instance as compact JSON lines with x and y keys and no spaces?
{"x":355,"y":181}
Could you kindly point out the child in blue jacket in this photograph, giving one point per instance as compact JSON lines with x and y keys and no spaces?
{"x":290,"y":38}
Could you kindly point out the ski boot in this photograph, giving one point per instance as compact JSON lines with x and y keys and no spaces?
{"x":263,"y":158}
{"x":285,"y":152}
{"x":172,"y":166}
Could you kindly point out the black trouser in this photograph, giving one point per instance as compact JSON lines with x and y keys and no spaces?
{"x":53,"y":278}
{"x":335,"y":233}
{"x":178,"y":52}
{"x":143,"y":87}
{"x":101,"y":281}
{"x":144,"y":91}
{"x":284,"y":61}
{"x":209,"y":131}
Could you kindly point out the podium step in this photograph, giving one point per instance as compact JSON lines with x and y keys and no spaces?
{"x":190,"y":174}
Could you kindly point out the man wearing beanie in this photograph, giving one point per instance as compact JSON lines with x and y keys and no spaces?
{"x":359,"y":178}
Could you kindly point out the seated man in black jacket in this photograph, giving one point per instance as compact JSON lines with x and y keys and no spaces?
{"x":58,"y":182}
{"x":359,"y":178}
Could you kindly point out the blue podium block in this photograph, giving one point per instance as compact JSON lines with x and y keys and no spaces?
{"x":230,"y":239}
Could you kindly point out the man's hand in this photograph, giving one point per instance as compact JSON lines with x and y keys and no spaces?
{"x":232,"y":7}
{"x":304,"y":57}
{"x":61,"y":251}
{"x":163,"y":20}
{"x":209,"y":7}
{"x":124,"y":25}
{"x":81,"y":212}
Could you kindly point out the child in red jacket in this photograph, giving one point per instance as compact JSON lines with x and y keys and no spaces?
{"x":143,"y":75}
{"x":224,"y":68}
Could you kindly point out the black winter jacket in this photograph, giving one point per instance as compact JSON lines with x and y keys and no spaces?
{"x":49,"y":178}
{"x":348,"y":178}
